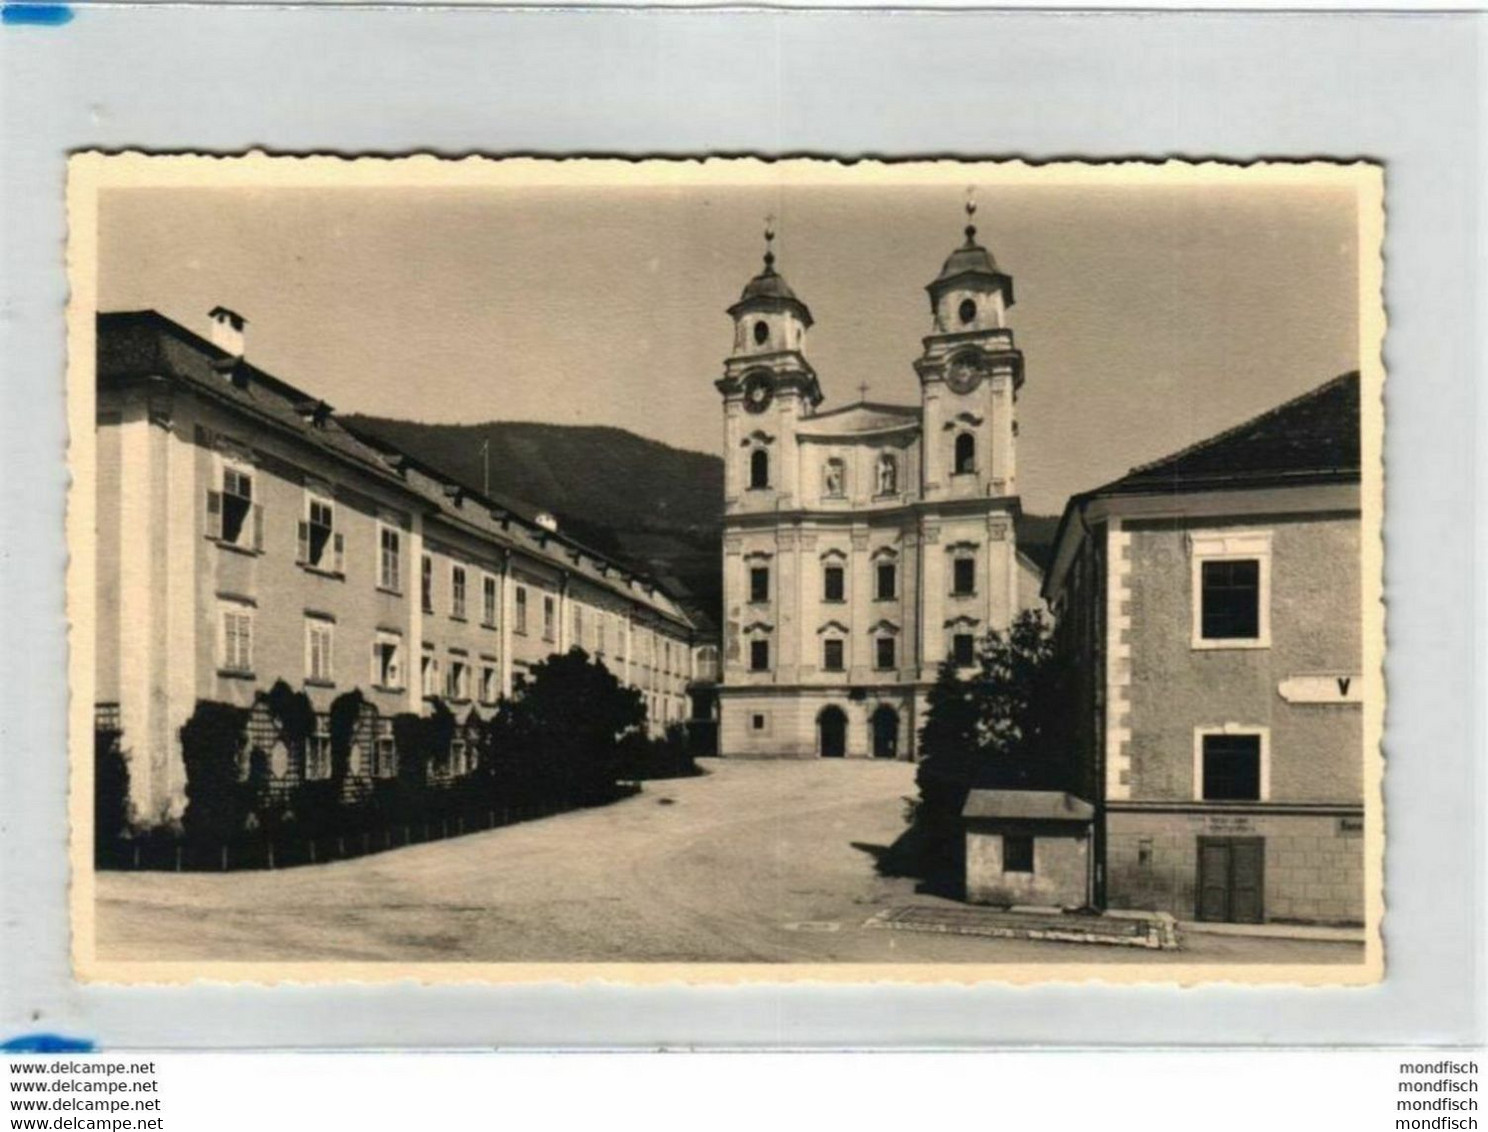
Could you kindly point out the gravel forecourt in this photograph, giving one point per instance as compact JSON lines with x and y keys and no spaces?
{"x":755,"y":861}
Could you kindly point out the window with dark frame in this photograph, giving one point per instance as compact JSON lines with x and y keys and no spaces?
{"x":965,"y":454}
{"x":759,"y":583}
{"x":387,"y":667}
{"x":886,"y":582}
{"x":832,"y":583}
{"x":883,"y":652}
{"x":963,"y":576}
{"x":316,"y":532}
{"x":759,"y":469}
{"x":488,"y":600}
{"x":963,"y":650}
{"x":759,"y":655}
{"x":1230,"y":605}
{"x":457,"y":592}
{"x":832,"y":654}
{"x":1231,"y":768}
{"x":1017,"y":853}
{"x":426,"y":584}
{"x":237,"y":504}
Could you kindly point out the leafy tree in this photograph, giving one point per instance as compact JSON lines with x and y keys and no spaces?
{"x":557,"y":739}
{"x":997,"y":727}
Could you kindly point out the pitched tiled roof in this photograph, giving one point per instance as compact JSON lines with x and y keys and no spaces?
{"x":146,"y":344}
{"x":1312,"y":437}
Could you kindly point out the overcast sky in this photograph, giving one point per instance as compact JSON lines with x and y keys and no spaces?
{"x":1149,"y":317}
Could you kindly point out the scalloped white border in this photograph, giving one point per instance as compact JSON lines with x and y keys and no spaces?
{"x":92,"y":171}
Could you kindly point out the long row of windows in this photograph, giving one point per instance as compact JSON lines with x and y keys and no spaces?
{"x":234,"y":518}
{"x":885,"y":581}
{"x":236,"y":619}
{"x":885,"y":653}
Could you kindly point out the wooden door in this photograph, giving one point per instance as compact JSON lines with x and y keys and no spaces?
{"x":1231,"y":881}
{"x":1247,"y":880}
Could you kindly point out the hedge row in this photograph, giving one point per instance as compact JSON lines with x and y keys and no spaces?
{"x":568,"y":737}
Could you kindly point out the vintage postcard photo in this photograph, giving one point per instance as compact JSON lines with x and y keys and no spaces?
{"x":717,"y":570}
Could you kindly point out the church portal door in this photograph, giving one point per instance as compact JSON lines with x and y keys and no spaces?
{"x":885,"y":733}
{"x":831,"y":728}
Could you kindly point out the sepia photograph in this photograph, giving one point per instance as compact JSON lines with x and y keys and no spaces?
{"x":717,"y":570}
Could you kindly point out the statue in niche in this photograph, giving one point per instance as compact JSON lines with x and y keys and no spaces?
{"x":888,"y":475}
{"x":832,"y":478}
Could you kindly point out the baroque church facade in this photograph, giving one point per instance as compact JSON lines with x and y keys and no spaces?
{"x":866,"y":544}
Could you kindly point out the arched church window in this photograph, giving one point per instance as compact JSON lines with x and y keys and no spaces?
{"x":761,"y":332}
{"x":759,"y":468}
{"x":965,"y":453}
{"x":968,"y":310}
{"x":833,"y":477}
{"x":888,"y":474}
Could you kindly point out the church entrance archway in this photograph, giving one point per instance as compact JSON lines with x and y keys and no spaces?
{"x":885,"y":725}
{"x":831,"y":733}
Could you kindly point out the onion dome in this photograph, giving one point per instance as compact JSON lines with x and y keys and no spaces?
{"x":969,"y":264}
{"x":769,"y":291}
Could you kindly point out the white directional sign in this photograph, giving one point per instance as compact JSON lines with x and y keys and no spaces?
{"x":1323,"y":688}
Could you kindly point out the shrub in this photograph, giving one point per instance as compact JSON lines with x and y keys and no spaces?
{"x":346,"y":713}
{"x":111,"y":811}
{"x":670,"y":756}
{"x":212,"y":741}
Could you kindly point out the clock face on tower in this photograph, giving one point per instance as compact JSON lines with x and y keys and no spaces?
{"x":757,"y":392}
{"x":963,"y":375}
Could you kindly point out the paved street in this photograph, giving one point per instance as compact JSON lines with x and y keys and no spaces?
{"x":753,"y":862}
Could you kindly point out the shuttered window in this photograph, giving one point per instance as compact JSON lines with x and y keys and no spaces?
{"x":237,"y":639}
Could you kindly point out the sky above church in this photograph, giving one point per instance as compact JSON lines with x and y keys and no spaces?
{"x":1149,"y":317}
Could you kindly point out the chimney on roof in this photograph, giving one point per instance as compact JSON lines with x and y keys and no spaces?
{"x":227,"y":330}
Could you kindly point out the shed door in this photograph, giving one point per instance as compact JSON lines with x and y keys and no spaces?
{"x":1231,"y":881}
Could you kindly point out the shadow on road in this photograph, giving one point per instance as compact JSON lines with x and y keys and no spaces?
{"x":914,"y":855}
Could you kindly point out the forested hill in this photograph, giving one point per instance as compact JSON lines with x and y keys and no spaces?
{"x":657,"y":507}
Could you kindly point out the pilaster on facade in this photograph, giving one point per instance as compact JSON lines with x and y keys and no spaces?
{"x":1118,"y":661}
{"x":138,"y":564}
{"x":416,"y":627}
{"x":508,"y":611}
{"x":179,"y":657}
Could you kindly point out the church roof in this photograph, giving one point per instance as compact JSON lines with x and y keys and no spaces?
{"x":769,"y":290}
{"x":863,"y":418}
{"x":969,"y":259}
{"x":768,"y":284}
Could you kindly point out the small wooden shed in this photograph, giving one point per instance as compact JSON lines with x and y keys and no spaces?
{"x":1028,"y":847}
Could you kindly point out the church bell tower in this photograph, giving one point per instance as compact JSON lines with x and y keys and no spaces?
{"x":767,"y":386}
{"x":970,"y":373}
